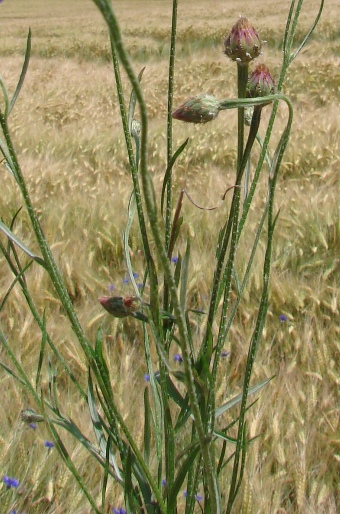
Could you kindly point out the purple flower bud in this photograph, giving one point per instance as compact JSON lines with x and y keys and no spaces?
{"x":243,"y":43}
{"x":178,"y":358}
{"x":260,"y":82}
{"x":200,"y":109}
{"x":120,"y":306}
{"x":49,"y":444}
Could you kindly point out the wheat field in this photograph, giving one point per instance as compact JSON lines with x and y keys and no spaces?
{"x":68,"y":135}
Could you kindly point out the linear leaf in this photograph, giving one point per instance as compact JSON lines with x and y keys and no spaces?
{"x":229,"y":404}
{"x":23,"y":72}
{"x":21,"y":245}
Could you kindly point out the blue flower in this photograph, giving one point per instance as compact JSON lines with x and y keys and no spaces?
{"x":135,"y":275}
{"x":174,"y":259}
{"x":224,"y":354}
{"x":126,"y":280}
{"x":198,"y":497}
{"x":139,"y":285}
{"x":147,"y":377}
{"x":10,"y":482}
{"x":178,"y":358}
{"x":163,"y":482}
{"x":33,"y":426}
{"x":118,"y":511}
{"x":282,"y":317}
{"x":111,"y":287}
{"x":49,"y":444}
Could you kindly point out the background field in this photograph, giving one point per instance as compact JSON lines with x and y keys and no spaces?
{"x":67,"y":131}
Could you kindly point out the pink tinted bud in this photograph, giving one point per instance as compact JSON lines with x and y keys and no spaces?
{"x":200,"y":109}
{"x":243,"y":43}
{"x":260,"y":82}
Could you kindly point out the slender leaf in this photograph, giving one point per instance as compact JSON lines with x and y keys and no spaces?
{"x":147,"y":426}
{"x":181,"y":474}
{"x":234,"y":401}
{"x":132,"y":103}
{"x":21,"y":245}
{"x":23,"y":72}
{"x":128,"y":486}
{"x":41,"y":352}
{"x":168,"y":171}
{"x":98,"y":430}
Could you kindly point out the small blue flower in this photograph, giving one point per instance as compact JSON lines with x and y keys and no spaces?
{"x":198,"y":497}
{"x":282,"y":317}
{"x":147,"y":377}
{"x":178,"y":358}
{"x":10,"y":482}
{"x":49,"y":444}
{"x":163,"y":482}
{"x":185,"y":494}
{"x":135,"y":275}
{"x":224,"y":354}
{"x":139,"y":285}
{"x":118,"y":511}
{"x":174,"y":259}
{"x":111,"y":288}
{"x":33,"y":426}
{"x":126,"y":280}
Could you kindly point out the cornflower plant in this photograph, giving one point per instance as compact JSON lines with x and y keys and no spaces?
{"x":180,"y":400}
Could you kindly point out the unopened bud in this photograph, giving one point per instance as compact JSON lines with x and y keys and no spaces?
{"x":31,"y":416}
{"x":260,"y":82}
{"x":248,"y":114}
{"x":135,"y":128}
{"x":243,"y":43}
{"x":200,"y":109}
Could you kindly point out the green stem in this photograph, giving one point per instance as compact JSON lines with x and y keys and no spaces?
{"x":150,"y":203}
{"x":169,"y":122}
{"x":242,"y":79}
{"x":227,"y":276}
{"x":224,"y":105}
{"x":262,"y":309}
{"x":133,"y":161}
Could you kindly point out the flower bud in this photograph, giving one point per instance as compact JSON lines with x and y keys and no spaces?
{"x":30,"y":416}
{"x":243,"y":43}
{"x":135,"y":128}
{"x":122,"y":307}
{"x":248,"y":114}
{"x":260,"y":82}
{"x":200,"y":109}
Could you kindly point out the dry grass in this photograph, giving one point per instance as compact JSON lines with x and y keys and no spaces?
{"x":67,"y":131}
